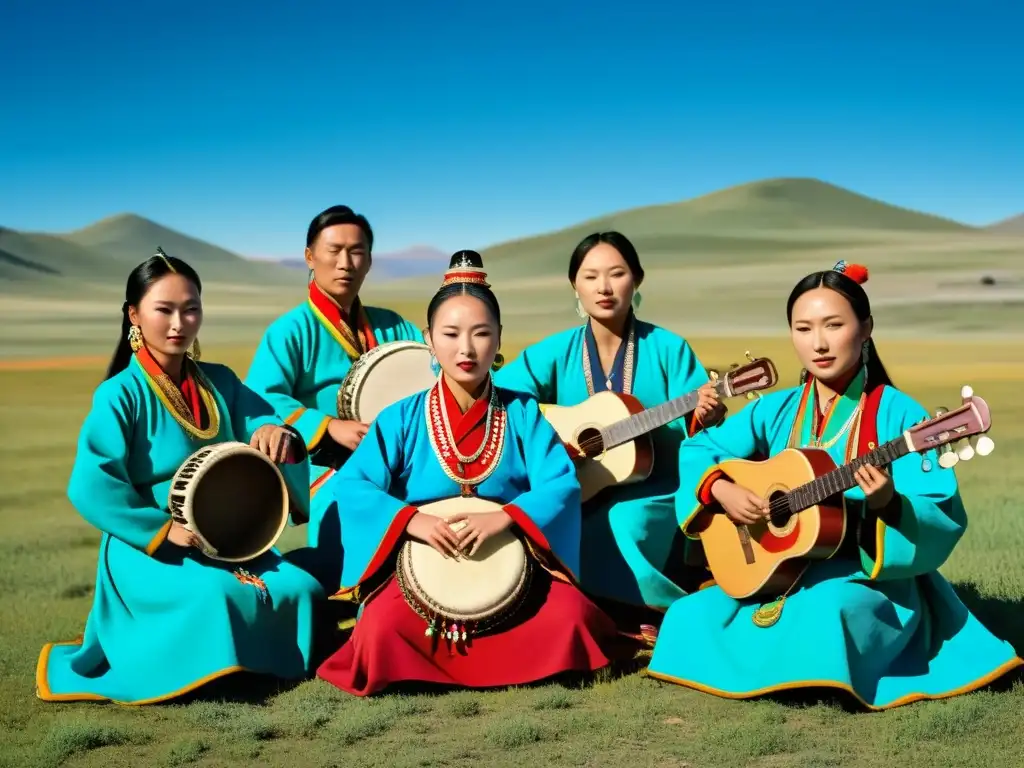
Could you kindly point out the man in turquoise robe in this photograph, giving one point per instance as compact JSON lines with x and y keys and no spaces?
{"x":305,"y":355}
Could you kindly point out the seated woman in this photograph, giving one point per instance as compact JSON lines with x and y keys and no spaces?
{"x":464,"y":436}
{"x":154,"y":591}
{"x":631,"y":553}
{"x":306,"y":353}
{"x":884,"y":625}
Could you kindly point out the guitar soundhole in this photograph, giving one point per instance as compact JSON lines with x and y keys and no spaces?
{"x":781,"y":512}
{"x":589,"y":441}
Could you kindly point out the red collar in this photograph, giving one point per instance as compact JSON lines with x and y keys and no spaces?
{"x":361,"y":336}
{"x":188,"y":388}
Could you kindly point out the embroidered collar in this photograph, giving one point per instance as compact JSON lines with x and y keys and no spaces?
{"x":620,"y":378}
{"x":354,"y":340}
{"x":173,"y":398}
{"x":814,"y":429}
{"x":454,"y":463}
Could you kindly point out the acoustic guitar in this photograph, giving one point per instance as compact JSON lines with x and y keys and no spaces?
{"x":804,"y":487}
{"x":612,"y":430}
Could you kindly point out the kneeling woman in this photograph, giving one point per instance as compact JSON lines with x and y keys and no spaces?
{"x":883,"y":624}
{"x":462,"y":437}
{"x":154,"y":590}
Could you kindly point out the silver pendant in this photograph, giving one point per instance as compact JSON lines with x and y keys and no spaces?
{"x":926,"y":465}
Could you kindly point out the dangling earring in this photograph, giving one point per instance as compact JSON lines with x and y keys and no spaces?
{"x":499,"y":360}
{"x":637,"y":298}
{"x":194,"y":352}
{"x":579,"y":307}
{"x":865,"y":352}
{"x":309,"y":279}
{"x":434,"y":365}
{"x":135,"y":338}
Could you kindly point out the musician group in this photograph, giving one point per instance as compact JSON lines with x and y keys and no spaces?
{"x":662,"y":561}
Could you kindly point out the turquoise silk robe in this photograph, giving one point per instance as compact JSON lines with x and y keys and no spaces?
{"x":395,"y":469}
{"x":629,"y":536}
{"x":876,"y":620}
{"x":167,"y":619}
{"x":298,"y":367}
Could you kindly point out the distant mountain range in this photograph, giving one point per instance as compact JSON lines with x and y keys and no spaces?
{"x":791,"y":213}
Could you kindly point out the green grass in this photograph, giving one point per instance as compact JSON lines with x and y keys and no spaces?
{"x":48,"y":561}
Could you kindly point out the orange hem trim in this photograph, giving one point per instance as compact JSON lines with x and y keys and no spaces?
{"x":387,"y":544}
{"x":908,"y":699}
{"x":700,"y":507}
{"x":296,"y":415}
{"x":314,"y":441}
{"x":160,"y":538}
{"x":44,"y":693}
{"x":317,"y":484}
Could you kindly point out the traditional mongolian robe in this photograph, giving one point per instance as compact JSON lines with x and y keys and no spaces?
{"x":166,"y":619}
{"x":300,"y":363}
{"x":877,"y":619}
{"x":405,"y":461}
{"x":631,"y":552}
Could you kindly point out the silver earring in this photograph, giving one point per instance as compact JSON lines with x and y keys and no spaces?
{"x":309,"y":279}
{"x":637,"y":298}
{"x":580,"y":312}
{"x":434,"y":365}
{"x":865,"y":352}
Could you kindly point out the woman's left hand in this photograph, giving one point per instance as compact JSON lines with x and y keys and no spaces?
{"x":277,"y":443}
{"x":708,"y":404}
{"x":479,"y":528}
{"x":876,"y":484}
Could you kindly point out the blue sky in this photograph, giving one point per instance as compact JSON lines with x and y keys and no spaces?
{"x":461,"y":127}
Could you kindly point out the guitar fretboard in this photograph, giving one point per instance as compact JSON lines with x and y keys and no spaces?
{"x":641,"y":423}
{"x":841,"y":479}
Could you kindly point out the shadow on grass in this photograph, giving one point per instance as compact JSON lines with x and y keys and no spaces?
{"x":1000,"y":615}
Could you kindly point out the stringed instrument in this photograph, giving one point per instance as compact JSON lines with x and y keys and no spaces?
{"x":804,"y":487}
{"x":612,"y":430}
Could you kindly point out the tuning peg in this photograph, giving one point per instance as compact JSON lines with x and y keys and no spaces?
{"x":947,"y":457}
{"x":965,"y":450}
{"x":752,"y":395}
{"x":984,"y":445}
{"x":712,"y":374}
{"x":966,"y":392}
{"x":749,"y":356}
{"x":734,"y":366}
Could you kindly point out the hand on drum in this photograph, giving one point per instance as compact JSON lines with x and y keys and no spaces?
{"x":436,"y":532}
{"x":277,"y":443}
{"x":181,"y":536}
{"x":347,"y":433}
{"x":479,"y":528}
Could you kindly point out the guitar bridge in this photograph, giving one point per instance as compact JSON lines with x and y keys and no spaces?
{"x":748,"y":551}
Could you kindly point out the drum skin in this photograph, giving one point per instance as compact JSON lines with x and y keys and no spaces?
{"x":233,"y":498}
{"x":382,"y":376}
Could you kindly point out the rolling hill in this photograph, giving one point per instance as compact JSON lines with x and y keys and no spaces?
{"x":1011,"y":226}
{"x":762,"y":217}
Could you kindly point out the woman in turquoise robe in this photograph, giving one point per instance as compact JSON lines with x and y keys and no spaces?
{"x":166,"y":619}
{"x":306,"y":353}
{"x":631,"y":555}
{"x":883,"y":624}
{"x":492,"y":444}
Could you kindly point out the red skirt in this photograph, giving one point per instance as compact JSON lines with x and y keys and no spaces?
{"x":558,"y":630}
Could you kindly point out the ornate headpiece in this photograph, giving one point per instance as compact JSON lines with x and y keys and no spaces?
{"x":856,"y":272}
{"x":162,"y":255}
{"x":466,"y":267}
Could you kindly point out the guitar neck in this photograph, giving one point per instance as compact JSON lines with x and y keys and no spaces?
{"x":650,"y":419}
{"x":841,"y":479}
